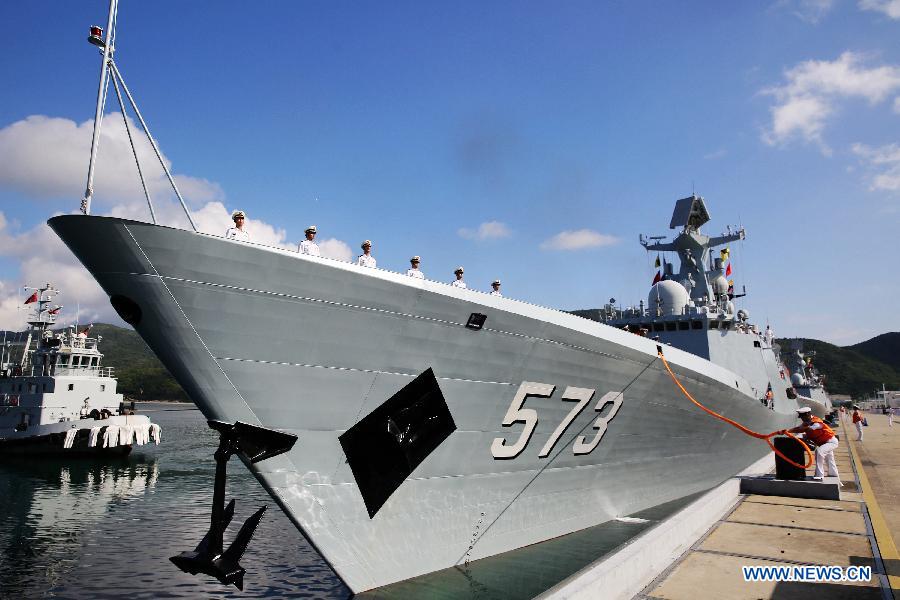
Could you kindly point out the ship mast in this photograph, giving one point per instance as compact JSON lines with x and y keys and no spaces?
{"x":109,"y":71}
{"x":42,"y":318}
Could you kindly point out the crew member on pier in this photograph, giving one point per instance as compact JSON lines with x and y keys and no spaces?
{"x":858,"y":423}
{"x":823,"y":437}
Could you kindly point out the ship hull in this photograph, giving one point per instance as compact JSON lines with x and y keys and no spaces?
{"x":313,"y":346}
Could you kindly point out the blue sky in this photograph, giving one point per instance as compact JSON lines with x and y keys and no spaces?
{"x":526,"y":141}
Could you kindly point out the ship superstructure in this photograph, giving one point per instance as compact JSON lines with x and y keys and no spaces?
{"x":55,"y":394}
{"x":694,"y":308}
{"x":805,"y":378}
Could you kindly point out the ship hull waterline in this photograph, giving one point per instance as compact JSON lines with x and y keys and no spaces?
{"x":311,"y":346}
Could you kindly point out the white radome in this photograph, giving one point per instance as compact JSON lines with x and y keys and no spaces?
{"x":668,"y":295}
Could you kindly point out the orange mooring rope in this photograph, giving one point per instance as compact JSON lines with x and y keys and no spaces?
{"x":760,"y":436}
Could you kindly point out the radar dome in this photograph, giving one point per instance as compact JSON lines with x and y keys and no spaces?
{"x":669,"y":296}
{"x":719,"y":285}
{"x":797,"y":379}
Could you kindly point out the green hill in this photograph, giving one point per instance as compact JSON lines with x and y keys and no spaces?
{"x":883,"y":348}
{"x":849,"y":371}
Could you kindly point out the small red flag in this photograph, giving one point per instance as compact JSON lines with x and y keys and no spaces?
{"x":32,"y":298}
{"x":86,"y":329}
{"x":657,"y":278}
{"x":55,"y":310}
{"x":728,"y":270}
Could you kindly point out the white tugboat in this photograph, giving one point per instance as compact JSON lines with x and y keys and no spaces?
{"x":56,"y":398}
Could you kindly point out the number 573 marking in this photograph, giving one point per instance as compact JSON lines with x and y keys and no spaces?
{"x":529,"y":416}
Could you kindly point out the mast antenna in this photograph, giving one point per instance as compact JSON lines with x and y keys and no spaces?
{"x":109,"y":70}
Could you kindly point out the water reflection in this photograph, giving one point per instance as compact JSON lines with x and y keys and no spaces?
{"x":51,"y":508}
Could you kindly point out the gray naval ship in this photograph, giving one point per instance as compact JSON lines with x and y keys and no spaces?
{"x":429,"y":425}
{"x":806,"y":379}
{"x":437,"y":425}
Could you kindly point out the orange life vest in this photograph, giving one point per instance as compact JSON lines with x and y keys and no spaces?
{"x":819,"y":436}
{"x":856,"y":416}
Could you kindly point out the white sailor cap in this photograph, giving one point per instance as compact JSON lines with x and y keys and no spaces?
{"x":495,"y":282}
{"x":459,"y":270}
{"x":238,"y":213}
{"x":310,"y":229}
{"x":366,"y":243}
{"x":415,"y":259}
{"x":804,"y":410}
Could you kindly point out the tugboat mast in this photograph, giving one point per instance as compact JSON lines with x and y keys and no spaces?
{"x":43,"y":318}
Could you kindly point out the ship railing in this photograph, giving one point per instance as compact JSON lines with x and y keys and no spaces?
{"x":85,"y":371}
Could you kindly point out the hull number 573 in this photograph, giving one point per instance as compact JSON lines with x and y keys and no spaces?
{"x":504,"y":448}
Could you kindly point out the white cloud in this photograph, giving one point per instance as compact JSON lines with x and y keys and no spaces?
{"x":490,"y":230}
{"x":335,"y":248}
{"x":897,"y":105}
{"x":47,"y":157}
{"x":891,"y":8}
{"x":578,"y":239}
{"x":809,"y":11}
{"x":44,"y":258}
{"x":813,"y":89}
{"x":883,"y":165}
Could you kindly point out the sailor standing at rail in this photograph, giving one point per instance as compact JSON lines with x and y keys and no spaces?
{"x":413,"y":270}
{"x":237,"y":232}
{"x":366,"y":259}
{"x":823,"y":437}
{"x":458,"y":282}
{"x":496,"y":288}
{"x":309,"y":245}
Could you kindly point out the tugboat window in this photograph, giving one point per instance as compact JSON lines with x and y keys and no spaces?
{"x":713,"y":324}
{"x":683,"y":325}
{"x":697,"y":324}
{"x":658,"y":327}
{"x":71,"y":386}
{"x":670,"y":326}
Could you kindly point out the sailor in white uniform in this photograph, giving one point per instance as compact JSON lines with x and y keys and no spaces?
{"x":458,"y":282}
{"x":309,"y":245}
{"x":237,"y":232}
{"x":496,"y":288}
{"x":413,"y":270}
{"x":366,"y":259}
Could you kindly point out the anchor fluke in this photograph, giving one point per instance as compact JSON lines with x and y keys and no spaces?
{"x":254,"y":444}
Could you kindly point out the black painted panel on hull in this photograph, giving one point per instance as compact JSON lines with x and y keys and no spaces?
{"x":386,"y":446}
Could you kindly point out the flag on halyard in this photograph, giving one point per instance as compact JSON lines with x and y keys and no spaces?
{"x":86,"y":329}
{"x":728,"y":270}
{"x":32,"y":298}
{"x":731,"y":284}
{"x":725,"y":253}
{"x":657,"y":262}
{"x":55,"y":310}
{"x":656,"y":279}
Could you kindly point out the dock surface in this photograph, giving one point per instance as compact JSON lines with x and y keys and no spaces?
{"x":858,"y":530}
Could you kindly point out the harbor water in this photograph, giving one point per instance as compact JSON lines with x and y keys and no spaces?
{"x":92,"y":528}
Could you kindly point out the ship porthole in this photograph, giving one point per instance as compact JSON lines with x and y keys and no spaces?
{"x":127,"y":309}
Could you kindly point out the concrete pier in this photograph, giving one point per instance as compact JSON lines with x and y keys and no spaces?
{"x":756,"y":530}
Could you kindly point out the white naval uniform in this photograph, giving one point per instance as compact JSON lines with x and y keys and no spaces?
{"x":309,"y":247}
{"x":496,"y":293}
{"x":366,"y":261}
{"x":233,"y":233}
{"x":418,"y":274}
{"x":459,"y":283}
